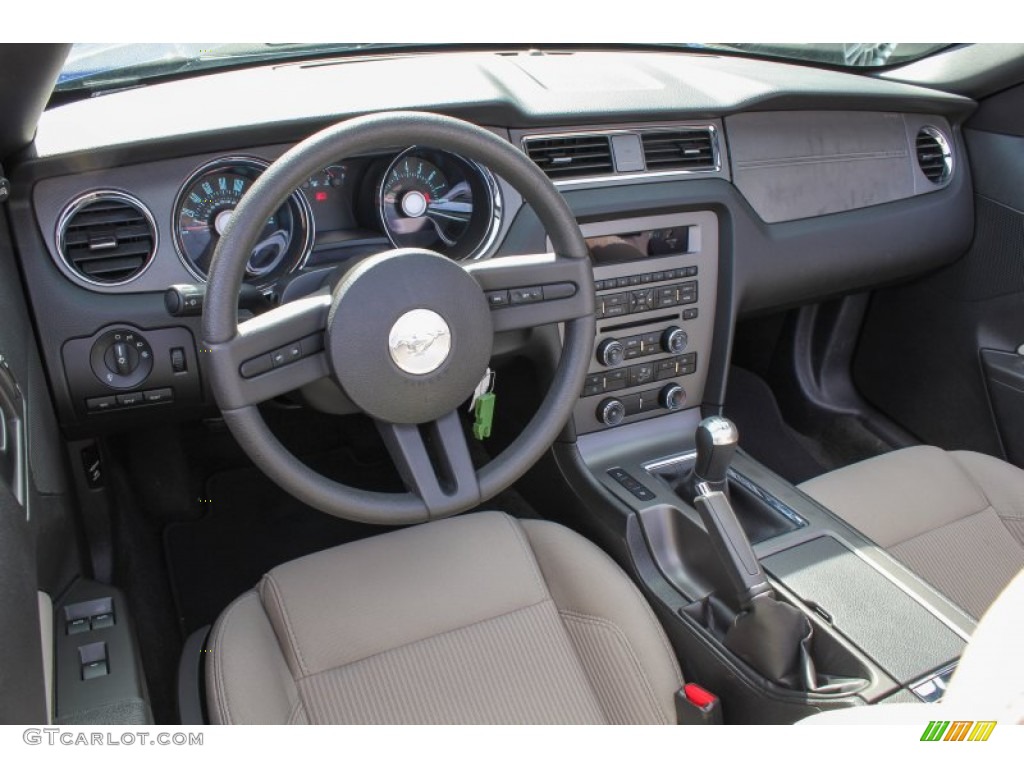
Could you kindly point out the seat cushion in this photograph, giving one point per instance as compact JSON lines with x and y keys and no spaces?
{"x":955,"y":518}
{"x":475,"y":619}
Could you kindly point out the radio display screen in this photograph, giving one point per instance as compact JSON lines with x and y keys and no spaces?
{"x":636,"y":246}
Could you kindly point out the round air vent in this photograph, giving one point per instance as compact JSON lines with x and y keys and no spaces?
{"x":107,"y":237}
{"x":934,"y":157}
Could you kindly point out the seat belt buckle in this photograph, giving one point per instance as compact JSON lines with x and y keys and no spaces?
{"x":697,"y":706}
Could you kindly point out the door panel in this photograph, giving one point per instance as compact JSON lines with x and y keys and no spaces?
{"x":38,"y":535}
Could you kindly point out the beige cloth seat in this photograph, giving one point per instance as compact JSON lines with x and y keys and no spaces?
{"x":955,"y":518}
{"x":475,"y":619}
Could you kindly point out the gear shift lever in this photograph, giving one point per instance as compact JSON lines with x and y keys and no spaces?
{"x":717,"y":439}
{"x":767,"y":634}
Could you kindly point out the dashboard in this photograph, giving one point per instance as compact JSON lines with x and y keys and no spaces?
{"x":709,"y":188}
{"x":124,"y":230}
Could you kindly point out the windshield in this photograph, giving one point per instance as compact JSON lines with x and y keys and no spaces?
{"x":94,"y":66}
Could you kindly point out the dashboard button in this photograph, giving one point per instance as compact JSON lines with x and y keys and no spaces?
{"x":617,"y":379}
{"x":286,"y":355}
{"x":558,"y":291}
{"x":690,"y":314}
{"x":256,"y":366}
{"x":526,"y":295}
{"x":642,"y":300}
{"x":163,"y":395}
{"x":497,"y":298}
{"x":617,"y":300}
{"x":593,"y":385}
{"x":641,"y":374}
{"x":129,"y":399}
{"x":101,"y":403}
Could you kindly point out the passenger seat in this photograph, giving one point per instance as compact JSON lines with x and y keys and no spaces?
{"x":956,"y":518}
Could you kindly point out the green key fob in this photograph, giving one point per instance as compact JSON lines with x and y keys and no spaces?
{"x":484,"y":412}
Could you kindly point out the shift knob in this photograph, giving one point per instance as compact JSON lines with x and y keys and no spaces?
{"x":717,"y":439}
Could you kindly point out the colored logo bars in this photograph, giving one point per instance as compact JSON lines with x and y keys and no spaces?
{"x":958,"y":730}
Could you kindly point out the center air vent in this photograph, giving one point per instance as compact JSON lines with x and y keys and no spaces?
{"x":564,"y":157}
{"x":934,"y":157}
{"x":682,"y":150}
{"x":107,"y":238}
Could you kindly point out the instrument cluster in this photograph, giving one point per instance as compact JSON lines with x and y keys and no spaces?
{"x":418,"y":198}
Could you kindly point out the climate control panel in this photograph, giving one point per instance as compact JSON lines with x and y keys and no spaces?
{"x":656,"y":281}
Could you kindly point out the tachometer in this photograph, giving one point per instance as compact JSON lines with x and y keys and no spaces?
{"x":205,"y":205}
{"x":436,"y":200}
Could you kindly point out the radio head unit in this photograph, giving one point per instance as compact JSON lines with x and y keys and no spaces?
{"x":656,"y":281}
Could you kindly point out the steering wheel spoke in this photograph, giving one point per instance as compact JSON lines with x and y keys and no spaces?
{"x":434,"y":462}
{"x":273,"y":353}
{"x":538,"y":289}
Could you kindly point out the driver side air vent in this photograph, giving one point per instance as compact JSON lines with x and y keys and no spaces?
{"x":562,"y":157}
{"x":934,"y":157}
{"x":684,"y":150}
{"x":107,"y":238}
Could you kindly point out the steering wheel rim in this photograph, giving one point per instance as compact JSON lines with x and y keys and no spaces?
{"x":228,"y":345}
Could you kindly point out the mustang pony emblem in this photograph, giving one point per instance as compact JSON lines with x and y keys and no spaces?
{"x":419,"y":341}
{"x":417,"y":344}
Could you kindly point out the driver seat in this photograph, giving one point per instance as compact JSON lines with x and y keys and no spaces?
{"x":475,"y":619}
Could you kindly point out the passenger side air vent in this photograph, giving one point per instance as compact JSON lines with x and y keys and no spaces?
{"x":934,"y":157}
{"x":679,"y":150}
{"x":106,"y":238}
{"x":564,"y":157}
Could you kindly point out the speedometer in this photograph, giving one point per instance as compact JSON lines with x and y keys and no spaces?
{"x":206,"y":204}
{"x":439,"y":201}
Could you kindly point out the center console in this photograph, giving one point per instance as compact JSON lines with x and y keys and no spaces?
{"x":831,"y":619}
{"x":875,"y":631}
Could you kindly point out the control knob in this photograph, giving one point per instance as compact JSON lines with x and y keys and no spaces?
{"x":611,"y":412}
{"x":674,"y":340}
{"x":121,"y":358}
{"x":610,"y":352}
{"x":672,"y":397}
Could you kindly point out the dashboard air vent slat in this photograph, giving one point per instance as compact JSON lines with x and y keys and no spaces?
{"x":563,"y":157}
{"x":107,"y":237}
{"x":687,"y":150}
{"x":933,"y":155}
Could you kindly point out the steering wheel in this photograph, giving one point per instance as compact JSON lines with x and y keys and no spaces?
{"x":407,"y":334}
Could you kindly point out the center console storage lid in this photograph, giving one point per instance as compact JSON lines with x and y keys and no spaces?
{"x":882,"y":619}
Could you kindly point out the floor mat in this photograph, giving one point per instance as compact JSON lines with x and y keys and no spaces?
{"x":763,"y":434}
